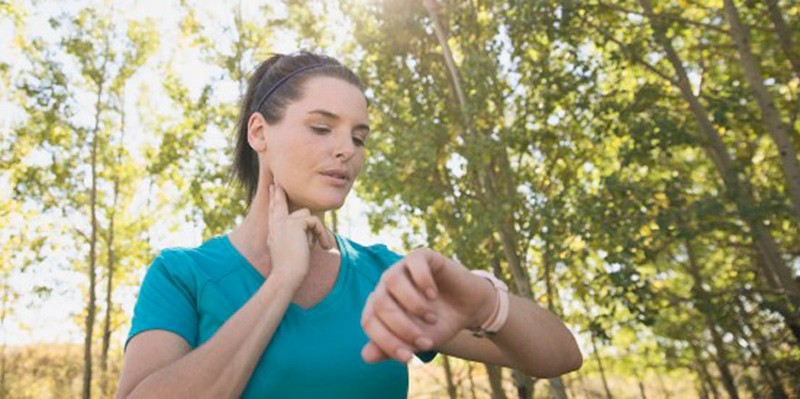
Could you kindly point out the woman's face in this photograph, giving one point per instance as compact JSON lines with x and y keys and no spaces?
{"x":317,"y":150}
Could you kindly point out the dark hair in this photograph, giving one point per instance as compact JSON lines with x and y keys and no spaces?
{"x":273,"y":76}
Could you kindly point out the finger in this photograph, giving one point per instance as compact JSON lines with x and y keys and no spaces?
{"x":315,"y":226}
{"x":371,"y":353}
{"x":417,"y":266}
{"x":387,"y":341}
{"x":398,"y":322}
{"x":328,"y":240}
{"x":281,"y":208}
{"x":408,"y":296}
{"x":301,"y":213}
{"x":310,"y":238}
{"x":374,"y":353}
{"x":368,"y":312}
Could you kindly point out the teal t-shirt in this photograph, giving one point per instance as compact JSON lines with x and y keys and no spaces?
{"x":314,"y":353}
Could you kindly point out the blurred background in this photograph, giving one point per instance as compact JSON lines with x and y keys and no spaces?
{"x":630,"y":165}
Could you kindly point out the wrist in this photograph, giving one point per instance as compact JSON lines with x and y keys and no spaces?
{"x":288,"y":282}
{"x":274,"y":291}
{"x":500,"y":306}
{"x":486,"y":304}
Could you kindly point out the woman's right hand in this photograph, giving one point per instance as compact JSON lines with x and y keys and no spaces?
{"x":291,"y":237}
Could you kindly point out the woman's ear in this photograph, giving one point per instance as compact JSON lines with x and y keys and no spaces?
{"x":257,"y":132}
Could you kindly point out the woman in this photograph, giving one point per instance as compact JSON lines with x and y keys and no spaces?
{"x":280,"y":307}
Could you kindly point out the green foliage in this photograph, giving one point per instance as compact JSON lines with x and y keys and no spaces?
{"x":607,"y":182}
{"x":559,"y":150}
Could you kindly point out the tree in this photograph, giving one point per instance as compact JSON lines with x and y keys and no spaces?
{"x":77,"y":176}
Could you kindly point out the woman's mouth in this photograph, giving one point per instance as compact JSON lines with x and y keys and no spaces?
{"x":336,"y":178}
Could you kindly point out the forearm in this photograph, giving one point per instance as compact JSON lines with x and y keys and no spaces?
{"x":527,"y":338}
{"x":222,"y":366}
{"x":533,"y":341}
{"x":536,"y":342}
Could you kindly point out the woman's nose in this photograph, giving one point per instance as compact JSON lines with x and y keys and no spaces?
{"x":345,"y":148}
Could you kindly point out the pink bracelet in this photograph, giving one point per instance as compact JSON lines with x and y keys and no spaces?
{"x":499,"y":315}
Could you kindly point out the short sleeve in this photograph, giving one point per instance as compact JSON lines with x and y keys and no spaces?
{"x":389,"y":258}
{"x":167,"y":301}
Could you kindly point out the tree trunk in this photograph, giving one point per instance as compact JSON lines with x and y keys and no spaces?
{"x":109,"y":304}
{"x":90,"y":309}
{"x":784,"y":35}
{"x":91,"y":306}
{"x":740,"y":190}
{"x":558,"y":388}
{"x":759,"y":350}
{"x":600,"y":367}
{"x":525,"y":385}
{"x":495,"y":376}
{"x":578,"y":376}
{"x":663,"y":386}
{"x":448,"y":376}
{"x":471,"y":380}
{"x":768,"y":372}
{"x":777,"y":130}
{"x":548,"y":283}
{"x":505,"y":229}
{"x":783,"y":305}
{"x":104,"y":384}
{"x":723,"y":364}
{"x":702,"y":391}
{"x":569,"y":383}
{"x":700,"y":366}
{"x":508,"y":241}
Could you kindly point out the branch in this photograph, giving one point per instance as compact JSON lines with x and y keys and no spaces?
{"x":630,"y":54}
{"x":665,"y":16}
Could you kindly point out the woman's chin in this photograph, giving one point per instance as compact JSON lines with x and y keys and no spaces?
{"x":331,"y":206}
{"x":321,"y":206}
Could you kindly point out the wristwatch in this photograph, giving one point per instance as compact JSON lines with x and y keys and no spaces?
{"x":501,"y":307}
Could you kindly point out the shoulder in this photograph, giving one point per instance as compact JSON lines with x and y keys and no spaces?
{"x":193,"y":266}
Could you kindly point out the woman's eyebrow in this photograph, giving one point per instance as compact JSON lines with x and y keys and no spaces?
{"x":331,"y":115}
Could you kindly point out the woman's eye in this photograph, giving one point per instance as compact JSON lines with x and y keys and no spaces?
{"x":320,"y":129}
{"x":358,"y":141}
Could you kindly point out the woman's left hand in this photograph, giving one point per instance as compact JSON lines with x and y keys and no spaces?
{"x":421,"y":302}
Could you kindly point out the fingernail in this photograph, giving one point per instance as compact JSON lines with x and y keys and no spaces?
{"x":424,"y":343}
{"x":367,"y":356}
{"x":431,"y":318}
{"x":431,"y":294}
{"x":404,"y":354}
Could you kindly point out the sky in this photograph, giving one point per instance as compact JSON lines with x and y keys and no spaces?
{"x":54,"y":318}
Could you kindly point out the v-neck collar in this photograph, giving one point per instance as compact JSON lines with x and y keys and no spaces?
{"x":320,"y":307}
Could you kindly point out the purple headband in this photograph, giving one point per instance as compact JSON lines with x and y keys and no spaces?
{"x":284,"y":79}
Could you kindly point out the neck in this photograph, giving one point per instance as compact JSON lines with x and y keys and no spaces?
{"x":250,"y":237}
